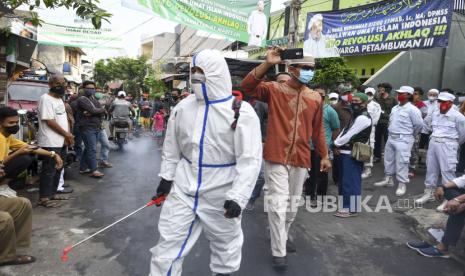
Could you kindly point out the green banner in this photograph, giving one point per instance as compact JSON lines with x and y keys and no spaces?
{"x":242,"y":20}
{"x":76,"y":36}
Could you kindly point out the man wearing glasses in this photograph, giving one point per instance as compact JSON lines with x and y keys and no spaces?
{"x":294,"y":119}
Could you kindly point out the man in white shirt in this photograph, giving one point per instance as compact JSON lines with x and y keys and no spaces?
{"x":257,"y":25}
{"x":374,"y":109}
{"x":448,"y":133}
{"x":405,"y":123}
{"x":53,"y":135}
{"x":431,"y":104}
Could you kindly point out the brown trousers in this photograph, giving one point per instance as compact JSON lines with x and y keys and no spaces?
{"x":15,"y":226}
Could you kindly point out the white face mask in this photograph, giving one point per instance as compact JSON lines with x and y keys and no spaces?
{"x":432,"y":98}
{"x":346,"y":98}
{"x":197,"y":89}
{"x":370,"y":98}
{"x":197,"y":80}
{"x":333,"y":102}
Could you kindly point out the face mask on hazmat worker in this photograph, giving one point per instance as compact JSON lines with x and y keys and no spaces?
{"x":210,"y":78}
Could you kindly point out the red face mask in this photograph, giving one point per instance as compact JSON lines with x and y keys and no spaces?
{"x":402,"y":98}
{"x":445,"y":106}
{"x":347,"y":98}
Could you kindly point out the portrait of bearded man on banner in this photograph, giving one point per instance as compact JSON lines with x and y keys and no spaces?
{"x":316,"y":44}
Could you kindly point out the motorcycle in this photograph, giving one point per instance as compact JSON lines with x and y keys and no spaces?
{"x":121,"y":133}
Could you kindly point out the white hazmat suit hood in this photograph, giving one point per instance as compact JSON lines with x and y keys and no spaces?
{"x":218,"y":85}
{"x":209,"y":163}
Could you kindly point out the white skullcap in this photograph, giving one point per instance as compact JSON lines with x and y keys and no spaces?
{"x":446,"y":96}
{"x":434,"y":90}
{"x":370,"y":90}
{"x":333,"y":95}
{"x":121,"y":93}
{"x":405,"y":89}
{"x":314,"y":19}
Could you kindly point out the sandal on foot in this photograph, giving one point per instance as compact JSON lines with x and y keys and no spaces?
{"x":60,"y":197}
{"x":105,"y":164}
{"x":20,"y":260}
{"x":97,"y":174}
{"x":48,"y":204}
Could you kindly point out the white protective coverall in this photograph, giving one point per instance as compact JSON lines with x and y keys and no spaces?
{"x":209,"y":163}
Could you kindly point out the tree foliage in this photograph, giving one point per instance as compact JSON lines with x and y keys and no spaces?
{"x":85,"y":9}
{"x":154,"y":83}
{"x":332,"y":71}
{"x":136,"y":74}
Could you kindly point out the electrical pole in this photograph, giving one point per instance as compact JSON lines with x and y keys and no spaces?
{"x":293,"y":36}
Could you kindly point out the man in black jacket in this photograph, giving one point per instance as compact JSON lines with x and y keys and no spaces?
{"x":89,"y":120}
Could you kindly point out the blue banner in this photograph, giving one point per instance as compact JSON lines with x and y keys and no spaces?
{"x":386,"y":26}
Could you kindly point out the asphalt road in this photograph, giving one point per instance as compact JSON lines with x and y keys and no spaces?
{"x":371,"y":244}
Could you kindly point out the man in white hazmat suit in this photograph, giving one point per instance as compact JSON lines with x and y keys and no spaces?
{"x":208,"y":171}
{"x":257,"y":25}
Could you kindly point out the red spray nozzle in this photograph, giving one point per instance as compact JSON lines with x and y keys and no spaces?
{"x":158,"y":201}
{"x":64,"y":257}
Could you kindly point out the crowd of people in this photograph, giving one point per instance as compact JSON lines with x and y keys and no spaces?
{"x":214,"y":142}
{"x":306,"y":130}
{"x":72,"y":127}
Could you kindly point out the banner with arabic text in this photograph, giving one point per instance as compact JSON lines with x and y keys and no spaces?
{"x":386,"y":26}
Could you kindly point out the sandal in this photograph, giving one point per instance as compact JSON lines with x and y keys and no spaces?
{"x":84,"y":171}
{"x":97,"y":174}
{"x":20,"y":260}
{"x":60,"y":197}
{"x":344,"y":214}
{"x":48,"y":203}
{"x":105,"y":164}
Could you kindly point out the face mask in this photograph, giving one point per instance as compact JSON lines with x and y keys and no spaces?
{"x":444,"y":107}
{"x":402,"y":98}
{"x":197,"y":88}
{"x":355,"y":107}
{"x":197,"y":79}
{"x":89,"y":91}
{"x":346,"y":98}
{"x":12,"y":129}
{"x":370,"y":98}
{"x":432,"y":98}
{"x":98,"y":95}
{"x":333,"y":102}
{"x":59,"y":90}
{"x":306,"y":76}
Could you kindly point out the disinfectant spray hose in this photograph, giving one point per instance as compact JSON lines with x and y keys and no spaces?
{"x":68,"y":249}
